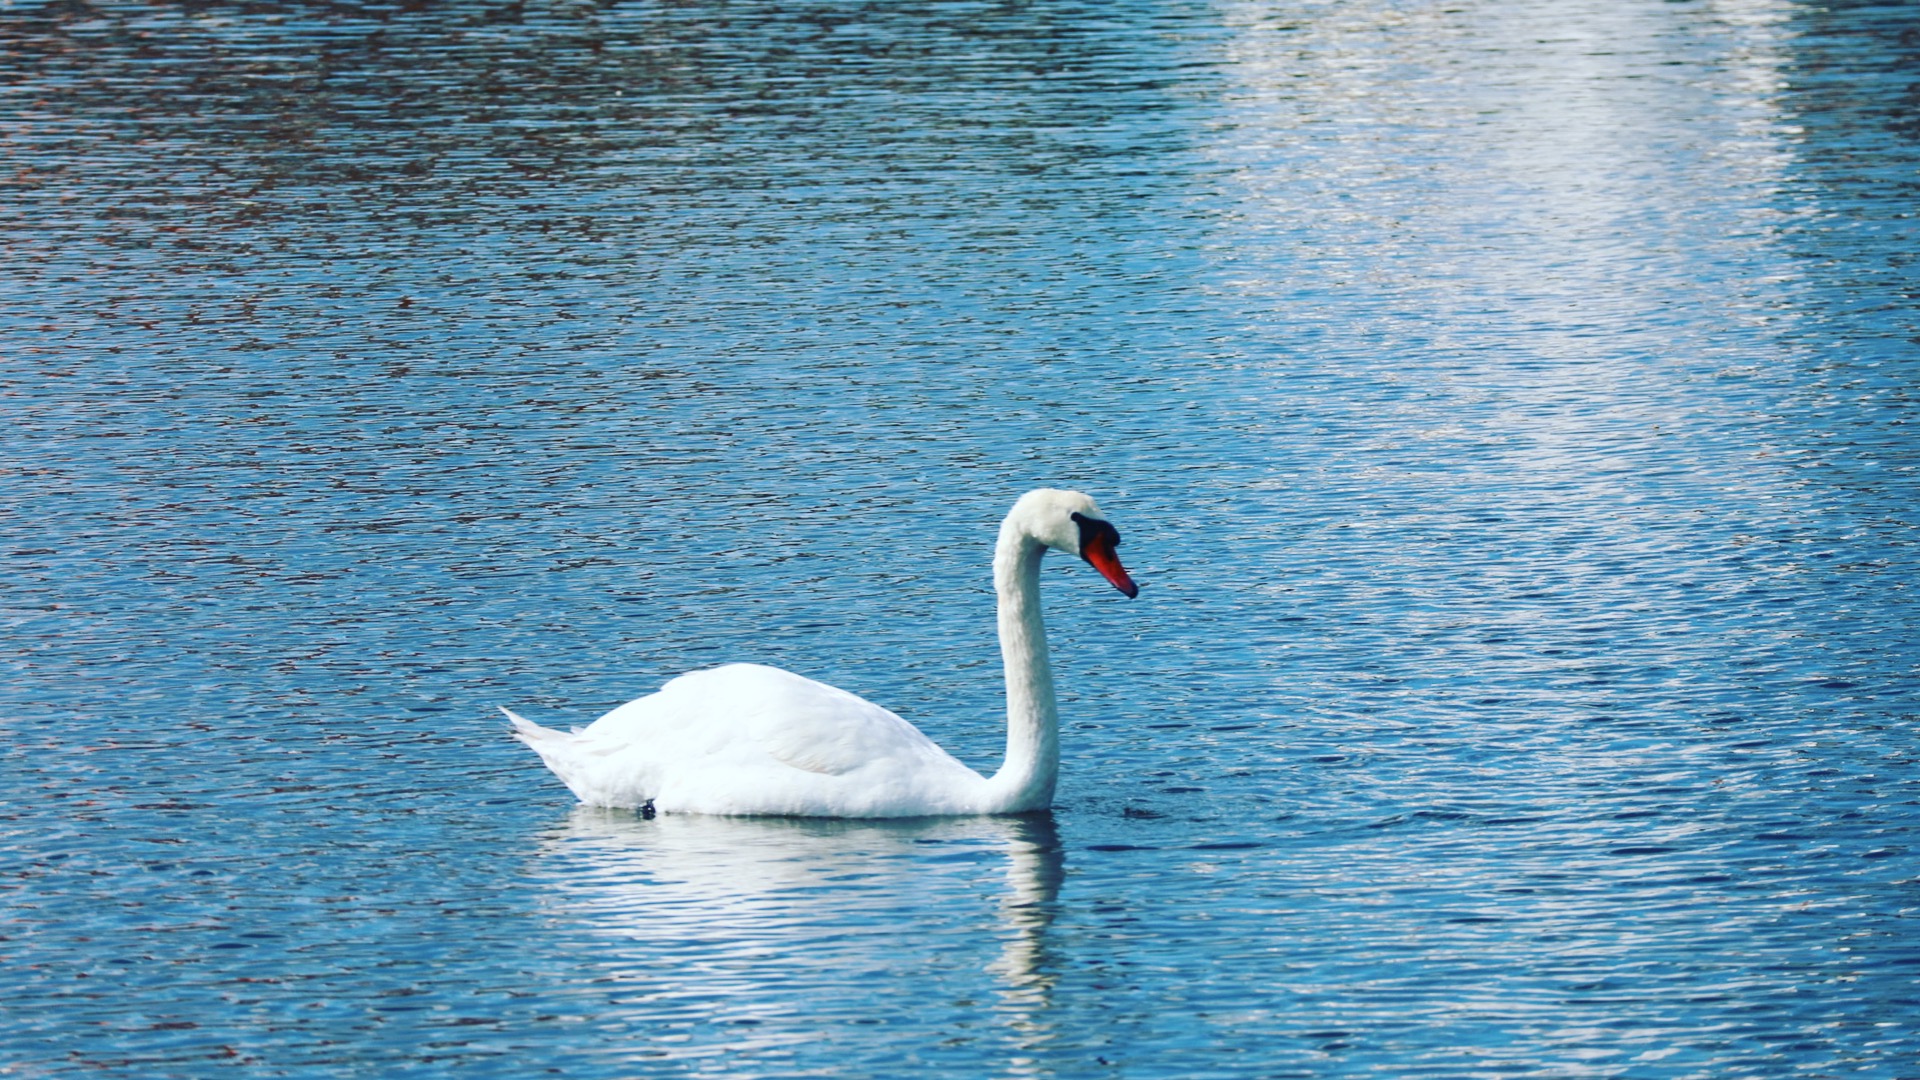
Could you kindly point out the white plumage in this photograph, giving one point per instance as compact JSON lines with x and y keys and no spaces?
{"x":750,"y":739}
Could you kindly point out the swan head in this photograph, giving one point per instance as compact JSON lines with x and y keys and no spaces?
{"x":1071,"y":522}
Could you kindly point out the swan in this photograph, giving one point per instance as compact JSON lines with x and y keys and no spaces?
{"x":746,"y":739}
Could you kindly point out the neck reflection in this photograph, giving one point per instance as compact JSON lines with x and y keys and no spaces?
{"x":1036,"y":866}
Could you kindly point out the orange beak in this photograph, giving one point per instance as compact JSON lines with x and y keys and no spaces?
{"x":1097,"y":549}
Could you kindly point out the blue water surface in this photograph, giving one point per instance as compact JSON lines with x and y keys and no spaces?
{"x":1508,"y":408}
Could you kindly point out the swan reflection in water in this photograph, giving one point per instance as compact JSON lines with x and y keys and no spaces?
{"x":750,"y":934}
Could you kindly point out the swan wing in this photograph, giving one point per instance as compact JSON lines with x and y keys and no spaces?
{"x":818,"y":728}
{"x":746,"y":738}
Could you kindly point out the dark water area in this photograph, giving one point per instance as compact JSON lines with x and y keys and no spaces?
{"x":1509,"y":410}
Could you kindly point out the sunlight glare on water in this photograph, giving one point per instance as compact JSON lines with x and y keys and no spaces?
{"x":1506,"y":409}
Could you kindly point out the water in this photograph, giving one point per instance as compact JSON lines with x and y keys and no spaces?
{"x":1507,"y":407}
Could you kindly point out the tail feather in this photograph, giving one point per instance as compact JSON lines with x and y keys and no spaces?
{"x":529,"y":732}
{"x":551,"y":745}
{"x":573,"y":761}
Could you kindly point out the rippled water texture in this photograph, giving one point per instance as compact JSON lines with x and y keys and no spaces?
{"x":1509,"y":408}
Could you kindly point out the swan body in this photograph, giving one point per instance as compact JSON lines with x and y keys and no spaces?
{"x":748,"y":739}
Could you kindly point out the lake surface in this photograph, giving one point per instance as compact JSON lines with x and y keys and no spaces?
{"x":1509,"y":410}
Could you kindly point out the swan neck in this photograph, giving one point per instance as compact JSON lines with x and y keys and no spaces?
{"x":1026,"y":780}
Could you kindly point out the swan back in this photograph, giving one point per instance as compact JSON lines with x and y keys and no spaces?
{"x":751,"y":739}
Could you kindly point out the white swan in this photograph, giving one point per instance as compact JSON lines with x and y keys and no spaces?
{"x":748,"y":739}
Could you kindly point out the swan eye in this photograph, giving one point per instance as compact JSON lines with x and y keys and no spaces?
{"x":1094,"y":530}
